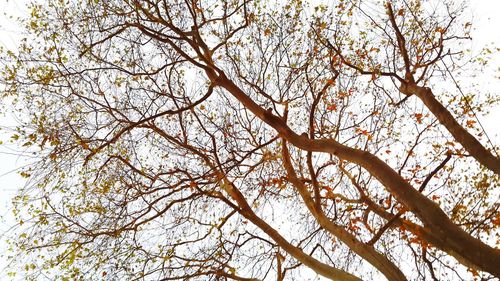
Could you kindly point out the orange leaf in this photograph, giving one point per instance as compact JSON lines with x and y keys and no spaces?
{"x":470,"y":123}
{"x":332,"y":107}
{"x":419,"y":117}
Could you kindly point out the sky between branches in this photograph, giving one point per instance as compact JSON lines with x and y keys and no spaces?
{"x":482,"y":13}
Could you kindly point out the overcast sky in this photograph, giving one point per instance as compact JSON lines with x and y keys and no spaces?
{"x":9,"y":159}
{"x":485,"y":18}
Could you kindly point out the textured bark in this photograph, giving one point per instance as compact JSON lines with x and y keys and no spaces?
{"x":473,"y":250}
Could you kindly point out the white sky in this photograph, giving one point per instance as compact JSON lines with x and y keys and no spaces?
{"x":10,"y":180}
{"x":486,"y":20}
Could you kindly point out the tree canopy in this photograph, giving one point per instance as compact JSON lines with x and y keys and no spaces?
{"x":252,"y":140}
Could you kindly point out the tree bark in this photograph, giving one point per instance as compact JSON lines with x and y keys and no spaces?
{"x":473,"y":250}
{"x":245,"y":210}
{"x":459,"y":133}
{"x":318,"y":266}
{"x":367,"y":252}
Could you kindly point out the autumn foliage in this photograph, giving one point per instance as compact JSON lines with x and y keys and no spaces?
{"x":251,"y":140}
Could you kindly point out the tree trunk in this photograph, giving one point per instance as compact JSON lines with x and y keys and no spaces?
{"x":473,"y":250}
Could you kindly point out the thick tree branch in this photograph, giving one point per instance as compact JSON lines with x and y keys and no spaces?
{"x":472,"y":249}
{"x":367,"y":252}
{"x":459,"y":133}
{"x":246,"y":210}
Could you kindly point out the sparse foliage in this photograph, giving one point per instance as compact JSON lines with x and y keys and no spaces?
{"x":251,"y":140}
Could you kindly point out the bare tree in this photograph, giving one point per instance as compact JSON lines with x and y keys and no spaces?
{"x":242,"y":140}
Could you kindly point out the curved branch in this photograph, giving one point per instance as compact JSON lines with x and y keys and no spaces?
{"x":471,"y":249}
{"x":459,"y":133}
{"x":246,"y":210}
{"x":367,"y":252}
